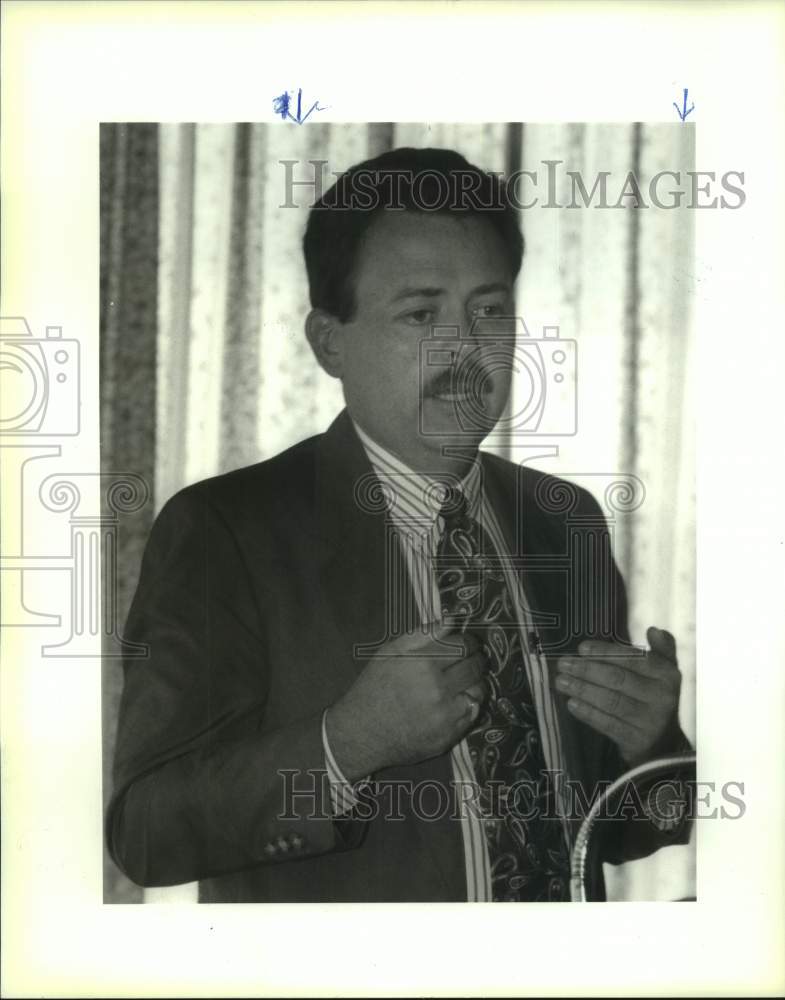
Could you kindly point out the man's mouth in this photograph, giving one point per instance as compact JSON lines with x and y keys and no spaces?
{"x":448,"y":396}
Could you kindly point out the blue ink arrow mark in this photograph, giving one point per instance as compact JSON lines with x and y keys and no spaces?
{"x":282,"y":104}
{"x":683,"y":111}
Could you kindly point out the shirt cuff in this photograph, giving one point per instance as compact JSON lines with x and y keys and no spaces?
{"x":343,"y":795}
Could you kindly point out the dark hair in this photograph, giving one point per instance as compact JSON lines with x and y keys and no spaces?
{"x":420,"y":180}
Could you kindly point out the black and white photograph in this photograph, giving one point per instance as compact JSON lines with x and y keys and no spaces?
{"x":418,"y":583}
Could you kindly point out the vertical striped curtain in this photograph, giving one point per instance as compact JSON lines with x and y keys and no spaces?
{"x":129,"y":228}
{"x":205,"y":366}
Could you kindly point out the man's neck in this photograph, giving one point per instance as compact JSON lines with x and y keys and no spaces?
{"x":426,"y":463}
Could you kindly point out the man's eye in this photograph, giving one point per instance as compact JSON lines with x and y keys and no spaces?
{"x":419,"y":317}
{"x":488,"y":310}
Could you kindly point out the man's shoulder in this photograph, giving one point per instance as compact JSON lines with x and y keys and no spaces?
{"x":277,"y":481}
{"x":539,"y":492}
{"x":511,"y":472}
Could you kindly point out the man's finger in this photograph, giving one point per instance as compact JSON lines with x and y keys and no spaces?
{"x":617,"y":729}
{"x":612,"y":675}
{"x":435,"y":638}
{"x":467,"y":644}
{"x":468,"y":706}
{"x":478,"y":691}
{"x":464,"y":673}
{"x":603,"y":650}
{"x":662,"y":643}
{"x":427,"y":632}
{"x":611,"y":701}
{"x":631,"y":658}
{"x":470,"y":701}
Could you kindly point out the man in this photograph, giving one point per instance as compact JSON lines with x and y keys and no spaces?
{"x":366,"y":678}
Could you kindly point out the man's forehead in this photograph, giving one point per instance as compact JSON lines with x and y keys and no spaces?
{"x":412,"y":250}
{"x":390,"y":226}
{"x":433,"y":292}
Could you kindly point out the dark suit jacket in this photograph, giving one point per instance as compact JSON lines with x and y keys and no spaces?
{"x":255,"y":589}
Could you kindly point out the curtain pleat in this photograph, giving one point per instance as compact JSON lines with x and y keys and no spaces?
{"x":631,"y":431}
{"x":214,"y":166}
{"x":177,"y":185}
{"x":381,"y":137}
{"x":237,"y":383}
{"x":128,"y":359}
{"x":241,"y":372}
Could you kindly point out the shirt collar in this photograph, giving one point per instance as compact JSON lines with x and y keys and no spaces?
{"x":410,"y":495}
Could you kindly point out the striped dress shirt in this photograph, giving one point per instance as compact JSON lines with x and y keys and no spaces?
{"x":413,"y":510}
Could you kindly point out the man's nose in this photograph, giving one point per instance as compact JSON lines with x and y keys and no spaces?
{"x":459,"y":325}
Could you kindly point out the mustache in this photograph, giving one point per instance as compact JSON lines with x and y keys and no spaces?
{"x":464,"y":378}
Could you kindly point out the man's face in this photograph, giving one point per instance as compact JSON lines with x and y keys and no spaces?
{"x":415,"y":271}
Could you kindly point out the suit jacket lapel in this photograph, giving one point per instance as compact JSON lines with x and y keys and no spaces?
{"x":350,"y":538}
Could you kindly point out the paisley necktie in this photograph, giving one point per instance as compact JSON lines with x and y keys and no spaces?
{"x":526,"y":845}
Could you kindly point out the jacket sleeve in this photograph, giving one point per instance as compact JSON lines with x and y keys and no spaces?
{"x":200,"y":788}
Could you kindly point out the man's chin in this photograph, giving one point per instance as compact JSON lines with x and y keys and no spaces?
{"x":449,"y":442}
{"x":456,"y":420}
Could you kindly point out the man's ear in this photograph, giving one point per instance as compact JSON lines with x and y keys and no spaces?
{"x":325,"y":335}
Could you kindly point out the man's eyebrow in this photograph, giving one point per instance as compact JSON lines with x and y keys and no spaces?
{"x":495,"y":286}
{"x":432,"y":293}
{"x":412,"y":293}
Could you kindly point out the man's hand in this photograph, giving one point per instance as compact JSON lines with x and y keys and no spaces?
{"x":415,"y":699}
{"x":623,"y":693}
